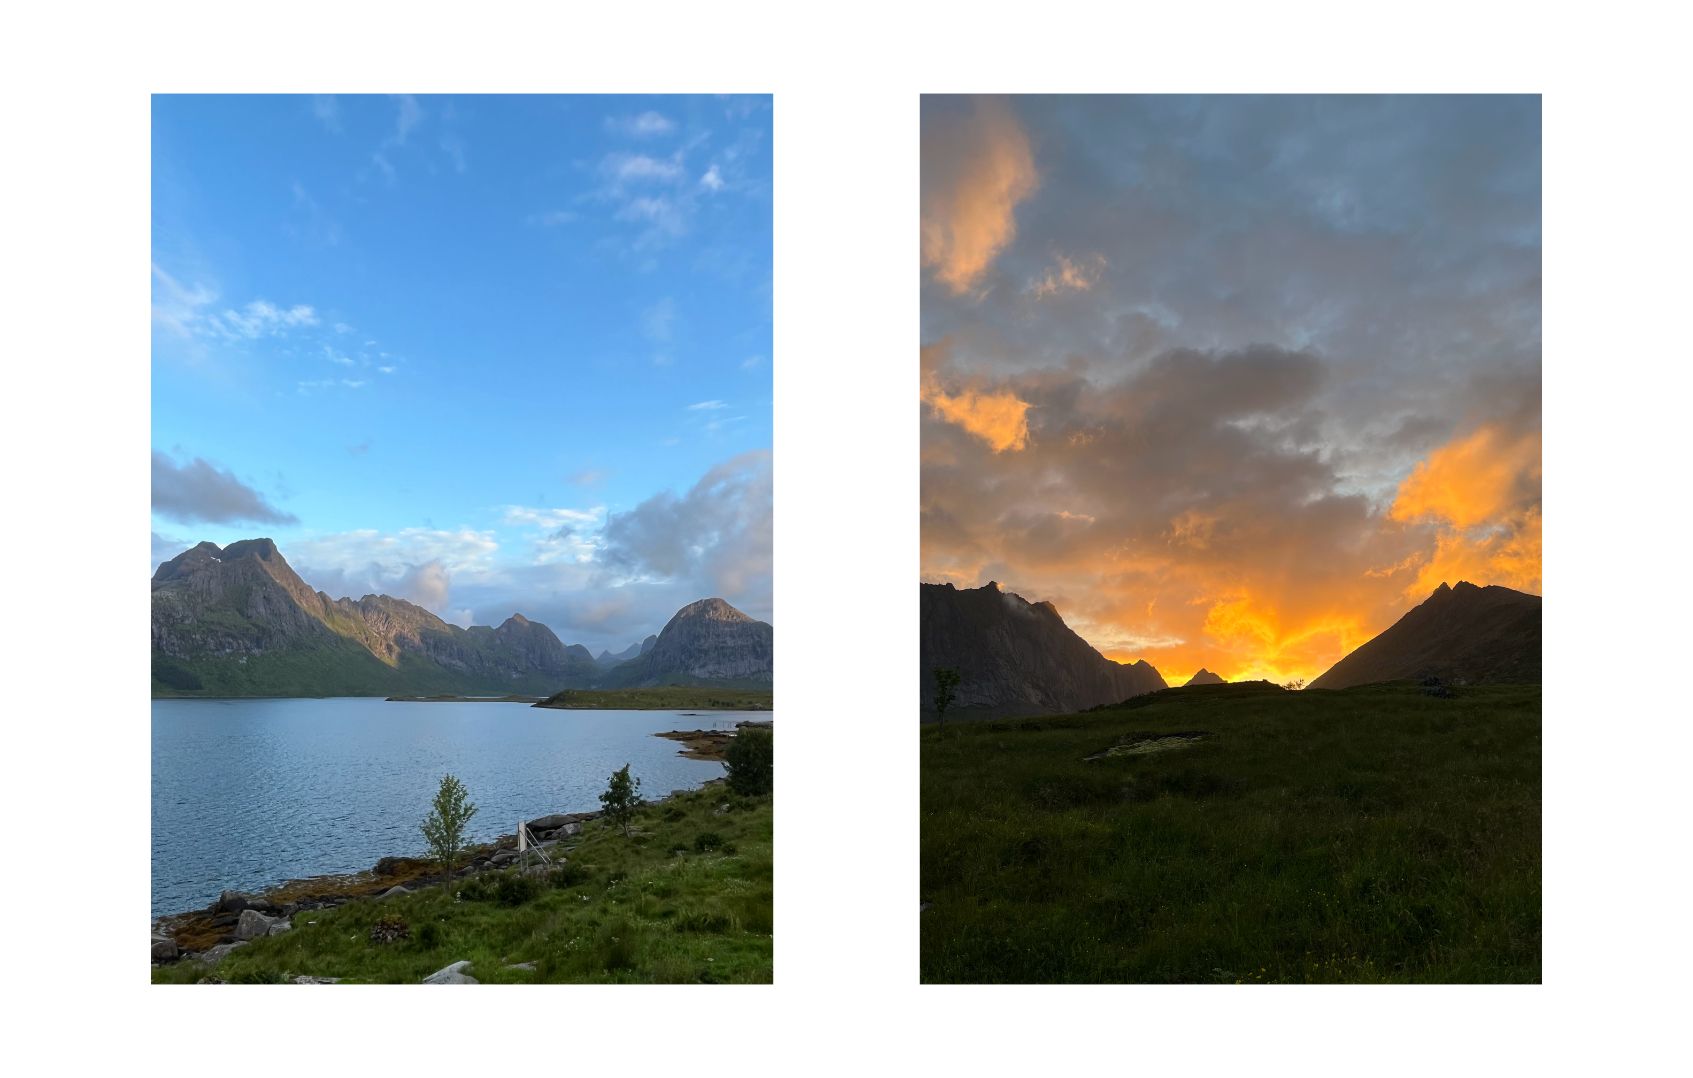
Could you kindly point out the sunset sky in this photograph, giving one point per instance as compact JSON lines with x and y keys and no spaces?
{"x":1234,"y":382}
{"x":488,"y":354}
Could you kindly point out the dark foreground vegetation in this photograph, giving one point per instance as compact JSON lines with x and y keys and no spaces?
{"x":1239,"y":833}
{"x":665,"y":698}
{"x":684,"y":896}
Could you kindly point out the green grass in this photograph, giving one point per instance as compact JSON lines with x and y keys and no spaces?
{"x":687,"y":899}
{"x":1374,"y":834}
{"x":668,"y":698}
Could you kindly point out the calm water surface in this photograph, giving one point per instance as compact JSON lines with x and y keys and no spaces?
{"x":247,"y":793}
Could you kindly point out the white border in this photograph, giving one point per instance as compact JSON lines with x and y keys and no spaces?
{"x":846,"y":81}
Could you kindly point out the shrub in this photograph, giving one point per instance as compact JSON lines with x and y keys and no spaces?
{"x":709,"y":840}
{"x":429,"y":935}
{"x":621,"y":798}
{"x":444,"y":827}
{"x":751,"y":760}
{"x":504,"y":888}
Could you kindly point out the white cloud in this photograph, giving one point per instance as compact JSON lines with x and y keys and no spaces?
{"x":707,"y":406}
{"x":640,"y":168}
{"x":177,"y":307}
{"x":712,"y":180}
{"x":259,"y":318}
{"x":646,"y":125}
{"x":552,"y":518}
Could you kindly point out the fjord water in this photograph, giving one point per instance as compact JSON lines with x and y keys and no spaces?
{"x":248,"y":793}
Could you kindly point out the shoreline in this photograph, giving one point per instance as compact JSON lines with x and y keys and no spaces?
{"x":709,"y":744}
{"x":212,"y":931}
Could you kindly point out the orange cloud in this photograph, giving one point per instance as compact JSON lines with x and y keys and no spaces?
{"x":975,"y":171}
{"x":999,"y":419}
{"x":1483,"y":493}
{"x":1474,"y":480}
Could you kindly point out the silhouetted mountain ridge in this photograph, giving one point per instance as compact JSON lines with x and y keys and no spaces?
{"x":1014,"y":656}
{"x":1462,"y":634}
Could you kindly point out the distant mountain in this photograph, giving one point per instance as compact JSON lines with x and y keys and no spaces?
{"x":1204,"y":677}
{"x":1462,"y":635}
{"x":240,"y":622}
{"x":633,"y":651}
{"x":707,"y":642}
{"x":1014,"y":656}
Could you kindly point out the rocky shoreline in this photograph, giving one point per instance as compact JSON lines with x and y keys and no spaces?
{"x":237,"y":918}
{"x":709,"y":744}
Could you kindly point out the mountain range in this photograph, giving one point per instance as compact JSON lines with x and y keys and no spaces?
{"x":1017,"y":657}
{"x":1462,"y":635}
{"x":238,"y":621}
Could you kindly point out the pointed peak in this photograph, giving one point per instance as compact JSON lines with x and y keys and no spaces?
{"x":992,"y":585}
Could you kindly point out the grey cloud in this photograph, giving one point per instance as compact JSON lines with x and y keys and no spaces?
{"x":717,"y":535}
{"x":198,"y":492}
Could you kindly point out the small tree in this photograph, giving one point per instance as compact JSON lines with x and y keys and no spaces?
{"x":621,"y":798}
{"x":444,"y":827}
{"x":945,"y":681}
{"x":750,"y":758}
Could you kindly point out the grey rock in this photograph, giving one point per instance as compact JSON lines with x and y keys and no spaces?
{"x":303,"y":979}
{"x":504,"y":857}
{"x":213,"y":955}
{"x":549,"y":823}
{"x":280,"y":926}
{"x":397,"y":889}
{"x":453,"y":974}
{"x":252,"y":925}
{"x":164,"y":949}
{"x":530,"y":966}
{"x":232,"y":902}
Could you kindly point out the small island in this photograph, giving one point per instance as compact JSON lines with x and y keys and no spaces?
{"x":664,"y":698}
{"x":708,"y":744}
{"x":448,"y":698}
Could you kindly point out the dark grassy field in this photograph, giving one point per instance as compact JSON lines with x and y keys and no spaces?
{"x":1374,"y":834}
{"x":687,"y":899}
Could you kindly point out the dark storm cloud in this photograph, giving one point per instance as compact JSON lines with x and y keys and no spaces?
{"x":198,"y":492}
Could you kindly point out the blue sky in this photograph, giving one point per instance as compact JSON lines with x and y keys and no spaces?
{"x":490,"y":354}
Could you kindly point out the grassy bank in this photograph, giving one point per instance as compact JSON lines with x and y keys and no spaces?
{"x":1239,"y":834}
{"x":667,"y":698}
{"x":687,"y":898}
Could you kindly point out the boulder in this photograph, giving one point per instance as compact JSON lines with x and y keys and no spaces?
{"x":252,"y":925}
{"x":213,"y":955}
{"x":549,"y":823}
{"x":164,"y":949}
{"x":397,"y":889}
{"x":504,"y":857}
{"x":453,"y":974}
{"x":303,"y":979}
{"x":279,"y":926}
{"x":237,"y":901}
